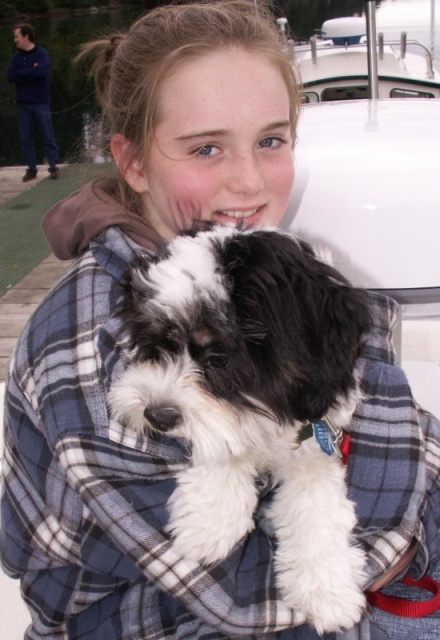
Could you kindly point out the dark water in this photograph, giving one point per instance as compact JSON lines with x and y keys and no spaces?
{"x":73,"y":106}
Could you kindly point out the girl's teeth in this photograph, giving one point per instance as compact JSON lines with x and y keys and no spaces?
{"x":240,"y":214}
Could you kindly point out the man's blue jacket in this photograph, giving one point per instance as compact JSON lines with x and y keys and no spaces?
{"x":29,"y":70}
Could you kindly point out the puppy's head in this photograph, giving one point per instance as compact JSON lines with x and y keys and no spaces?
{"x":267,"y":323}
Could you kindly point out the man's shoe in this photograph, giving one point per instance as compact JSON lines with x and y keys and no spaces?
{"x":29,"y":175}
{"x":54,"y":173}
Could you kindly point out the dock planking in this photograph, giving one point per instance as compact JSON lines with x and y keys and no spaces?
{"x":28,"y":269}
{"x":17,"y":305}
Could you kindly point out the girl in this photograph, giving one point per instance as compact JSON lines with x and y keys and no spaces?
{"x":200,"y":104}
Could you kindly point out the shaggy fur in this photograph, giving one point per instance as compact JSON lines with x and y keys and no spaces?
{"x":239,"y":337}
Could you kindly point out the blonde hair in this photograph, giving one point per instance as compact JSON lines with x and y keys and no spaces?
{"x":130,"y":68}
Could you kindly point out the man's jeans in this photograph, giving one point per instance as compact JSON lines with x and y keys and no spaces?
{"x":29,"y":117}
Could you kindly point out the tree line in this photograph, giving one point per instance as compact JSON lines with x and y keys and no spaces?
{"x":15,"y":9}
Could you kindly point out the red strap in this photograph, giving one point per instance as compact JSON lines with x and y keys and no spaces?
{"x":344,"y":447}
{"x":408,"y":608}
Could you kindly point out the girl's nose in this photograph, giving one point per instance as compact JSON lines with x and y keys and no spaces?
{"x":246,"y":174}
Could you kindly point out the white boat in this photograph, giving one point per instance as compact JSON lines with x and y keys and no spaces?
{"x":335,"y":65}
{"x":367,"y":187}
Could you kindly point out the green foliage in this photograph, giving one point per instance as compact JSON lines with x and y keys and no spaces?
{"x":24,"y":7}
{"x":82,"y":4}
{"x":17,"y":8}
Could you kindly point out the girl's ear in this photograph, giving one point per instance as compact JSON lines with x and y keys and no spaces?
{"x":129,"y":168}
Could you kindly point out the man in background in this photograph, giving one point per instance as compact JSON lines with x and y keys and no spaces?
{"x":29,"y":71}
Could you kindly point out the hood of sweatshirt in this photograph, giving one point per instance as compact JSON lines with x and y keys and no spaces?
{"x":71,"y":223}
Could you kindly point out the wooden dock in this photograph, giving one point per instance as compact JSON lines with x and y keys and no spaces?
{"x":28,"y":269}
{"x":18,"y":304}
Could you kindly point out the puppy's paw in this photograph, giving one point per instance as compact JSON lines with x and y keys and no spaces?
{"x":336,"y":611}
{"x":211,"y":509}
{"x":330,"y":594}
{"x":318,"y":569}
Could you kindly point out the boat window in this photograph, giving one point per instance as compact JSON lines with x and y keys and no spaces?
{"x":309,"y":96}
{"x":345,"y":93}
{"x":408,"y":93}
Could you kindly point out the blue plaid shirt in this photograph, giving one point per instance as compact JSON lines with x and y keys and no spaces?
{"x":83,"y":502}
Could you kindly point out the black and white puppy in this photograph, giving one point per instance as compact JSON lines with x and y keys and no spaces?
{"x":239,"y":338}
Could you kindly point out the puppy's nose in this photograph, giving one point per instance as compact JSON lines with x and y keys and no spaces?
{"x":161,"y":418}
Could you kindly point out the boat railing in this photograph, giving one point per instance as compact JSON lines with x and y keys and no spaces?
{"x":399,"y":47}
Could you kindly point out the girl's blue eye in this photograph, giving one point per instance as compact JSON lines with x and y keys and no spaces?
{"x":269,"y":142}
{"x":206,"y":151}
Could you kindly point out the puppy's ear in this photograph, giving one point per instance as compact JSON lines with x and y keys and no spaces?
{"x":339,"y":313}
{"x":311,"y":321}
{"x":337,"y":319}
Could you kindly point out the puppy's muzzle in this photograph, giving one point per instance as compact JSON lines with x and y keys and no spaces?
{"x":162,"y":418}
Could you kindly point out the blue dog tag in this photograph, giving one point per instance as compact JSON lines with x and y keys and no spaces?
{"x":323,"y":437}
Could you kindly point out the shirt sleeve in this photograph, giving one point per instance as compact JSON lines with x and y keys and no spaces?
{"x":387,"y":470}
{"x":126,"y":492}
{"x":97,"y":500}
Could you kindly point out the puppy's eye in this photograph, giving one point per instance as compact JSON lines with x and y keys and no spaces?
{"x":172,"y":345}
{"x":217,"y":361}
{"x":209,"y":356}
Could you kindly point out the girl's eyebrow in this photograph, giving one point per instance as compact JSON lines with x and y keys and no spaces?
{"x":202,"y":134}
{"x":215,"y":133}
{"x":281,"y":124}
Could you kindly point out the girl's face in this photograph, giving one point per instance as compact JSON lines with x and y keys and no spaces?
{"x":223,"y":146}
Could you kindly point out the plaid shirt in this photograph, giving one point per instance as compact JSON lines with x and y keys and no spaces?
{"x":84,"y":501}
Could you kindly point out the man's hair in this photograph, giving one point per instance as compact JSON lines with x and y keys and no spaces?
{"x":26,"y":30}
